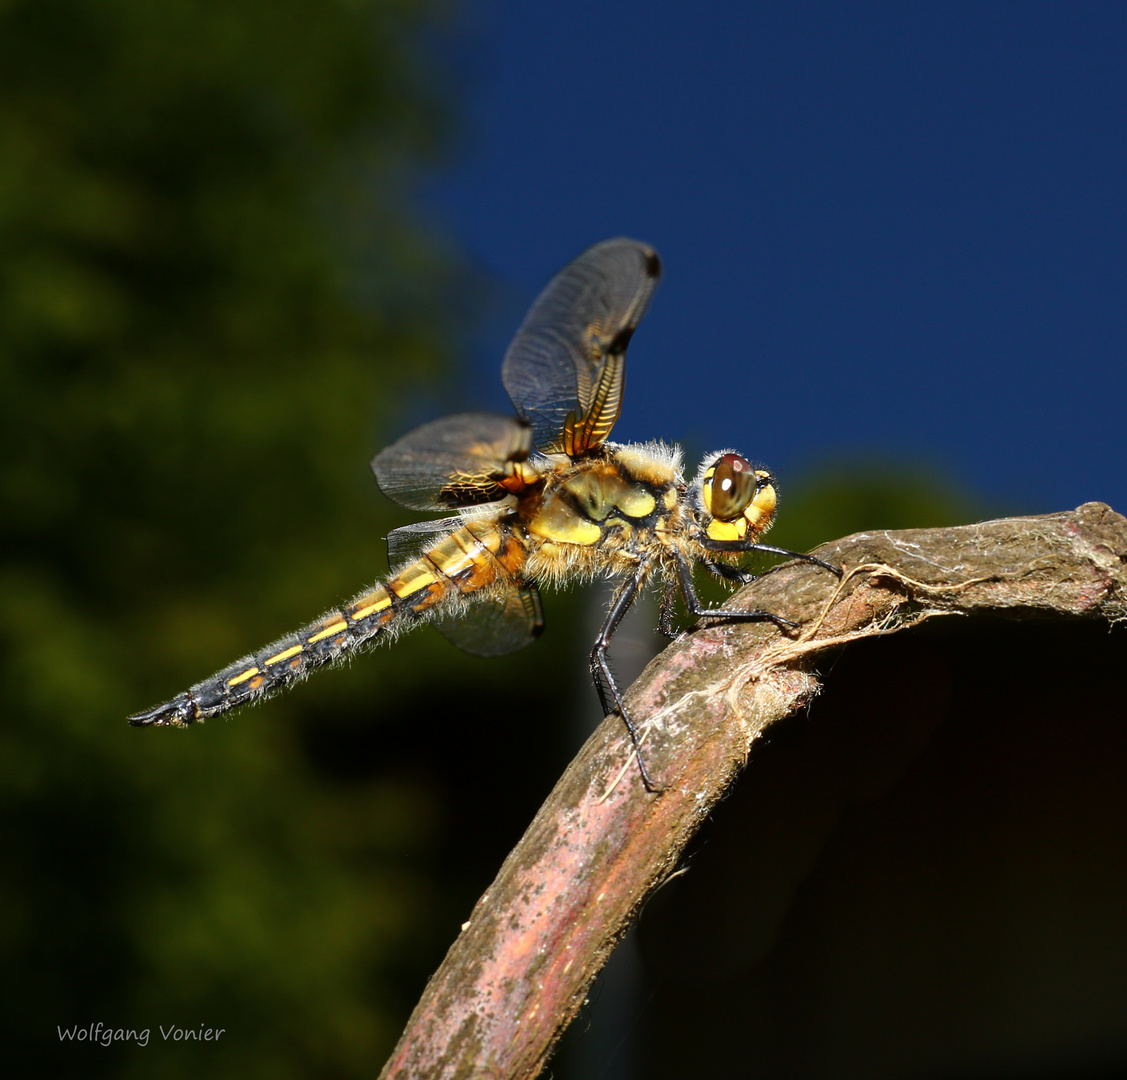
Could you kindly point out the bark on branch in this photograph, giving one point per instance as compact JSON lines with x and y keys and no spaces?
{"x":601,"y":844}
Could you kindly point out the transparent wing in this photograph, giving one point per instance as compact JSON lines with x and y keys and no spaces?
{"x":463,"y":460}
{"x":497,"y":624}
{"x":565,"y":370}
{"x":406,"y":544}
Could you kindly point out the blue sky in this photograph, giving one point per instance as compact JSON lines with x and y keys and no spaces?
{"x":890,"y":227}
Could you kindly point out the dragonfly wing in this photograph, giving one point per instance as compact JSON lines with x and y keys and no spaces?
{"x":458,"y":461}
{"x":497,"y":624}
{"x":406,"y":544}
{"x":494,"y":625}
{"x":565,"y":370}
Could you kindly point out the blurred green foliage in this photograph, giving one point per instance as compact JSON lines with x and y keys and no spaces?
{"x":835,"y":498}
{"x":213,"y":297}
{"x":213,"y":294}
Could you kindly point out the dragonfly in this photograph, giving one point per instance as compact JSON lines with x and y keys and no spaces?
{"x":539,"y":498}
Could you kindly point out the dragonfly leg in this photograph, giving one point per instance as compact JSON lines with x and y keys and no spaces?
{"x":729,"y":573}
{"x":609,"y":694}
{"x":770,"y":549}
{"x":812,"y":559}
{"x":665,"y":616}
{"x":695,"y":607}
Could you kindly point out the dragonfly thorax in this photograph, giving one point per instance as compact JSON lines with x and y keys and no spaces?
{"x":599,"y":499}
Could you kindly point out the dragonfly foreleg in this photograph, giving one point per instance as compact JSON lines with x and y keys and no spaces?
{"x":770,"y":549}
{"x":695,"y":607}
{"x":729,"y":573}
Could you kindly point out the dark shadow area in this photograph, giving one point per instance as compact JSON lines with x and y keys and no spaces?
{"x":924,"y":876}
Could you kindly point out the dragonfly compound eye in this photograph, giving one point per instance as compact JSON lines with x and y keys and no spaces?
{"x":731,"y":487}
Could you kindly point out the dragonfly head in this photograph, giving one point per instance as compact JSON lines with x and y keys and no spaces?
{"x":738,"y":499}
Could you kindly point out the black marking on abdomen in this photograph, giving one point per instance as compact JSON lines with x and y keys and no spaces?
{"x":281,"y":663}
{"x":423,"y":587}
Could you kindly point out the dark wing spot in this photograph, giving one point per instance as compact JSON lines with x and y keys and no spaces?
{"x":619,"y":342}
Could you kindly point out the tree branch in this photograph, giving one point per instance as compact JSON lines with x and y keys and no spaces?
{"x":601,"y":844}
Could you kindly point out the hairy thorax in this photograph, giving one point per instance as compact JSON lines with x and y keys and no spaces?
{"x":604,"y":514}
